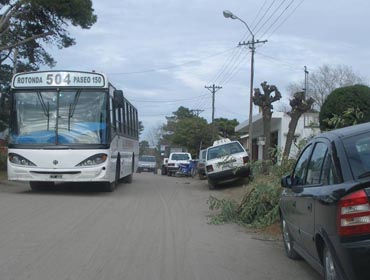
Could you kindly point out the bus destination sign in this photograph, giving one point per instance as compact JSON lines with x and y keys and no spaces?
{"x":58,"y":79}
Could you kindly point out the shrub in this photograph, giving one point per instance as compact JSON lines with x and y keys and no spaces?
{"x":259,"y":206}
{"x":342,"y":99}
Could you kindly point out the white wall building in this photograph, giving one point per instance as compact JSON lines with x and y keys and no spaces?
{"x":308,"y":126}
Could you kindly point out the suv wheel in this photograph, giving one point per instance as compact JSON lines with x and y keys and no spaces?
{"x":288,"y":241}
{"x":211,"y":184}
{"x":329,"y":268}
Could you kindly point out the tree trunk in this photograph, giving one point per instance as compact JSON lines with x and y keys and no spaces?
{"x":267,"y":135}
{"x":290,"y":136}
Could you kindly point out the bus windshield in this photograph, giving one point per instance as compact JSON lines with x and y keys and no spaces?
{"x":63,"y":117}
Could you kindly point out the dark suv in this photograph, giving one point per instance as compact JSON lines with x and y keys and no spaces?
{"x":324,"y":207}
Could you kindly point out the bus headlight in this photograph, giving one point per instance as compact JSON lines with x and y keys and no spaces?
{"x":94,"y":160}
{"x":17,"y":159}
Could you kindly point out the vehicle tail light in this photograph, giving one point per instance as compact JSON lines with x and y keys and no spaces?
{"x":245,"y":159}
{"x":209,"y":168}
{"x":354,"y":214}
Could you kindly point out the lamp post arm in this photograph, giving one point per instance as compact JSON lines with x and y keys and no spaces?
{"x":250,"y":31}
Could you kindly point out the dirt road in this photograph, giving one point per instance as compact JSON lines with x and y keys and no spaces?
{"x":155,"y":228}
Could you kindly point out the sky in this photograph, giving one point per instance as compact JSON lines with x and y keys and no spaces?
{"x":162,"y":54}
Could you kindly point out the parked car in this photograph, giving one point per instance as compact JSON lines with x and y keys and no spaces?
{"x":226,"y":161}
{"x":201,"y":166}
{"x":175,"y":159}
{"x":325,"y":207}
{"x":147,"y":163}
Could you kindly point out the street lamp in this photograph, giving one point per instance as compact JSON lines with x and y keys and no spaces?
{"x":228,"y":14}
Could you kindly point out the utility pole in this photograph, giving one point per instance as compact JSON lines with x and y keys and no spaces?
{"x":197,"y":111}
{"x":252,"y":47}
{"x":305,"y":90}
{"x":213,"y":89}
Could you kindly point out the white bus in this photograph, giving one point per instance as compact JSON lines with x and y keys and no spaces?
{"x":70,"y":126}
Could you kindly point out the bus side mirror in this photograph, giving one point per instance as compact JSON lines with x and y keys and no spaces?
{"x":118,"y":98}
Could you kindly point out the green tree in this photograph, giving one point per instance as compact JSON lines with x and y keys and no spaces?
{"x":346,"y":102}
{"x":226,"y":127}
{"x":141,"y":127}
{"x":26,"y":26}
{"x":143,"y":147}
{"x":186,"y":129}
{"x":24,"y":22}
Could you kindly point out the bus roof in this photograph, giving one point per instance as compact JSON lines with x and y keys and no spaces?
{"x":46,"y":79}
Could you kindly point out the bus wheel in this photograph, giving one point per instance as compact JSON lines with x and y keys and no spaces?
{"x":41,"y":186}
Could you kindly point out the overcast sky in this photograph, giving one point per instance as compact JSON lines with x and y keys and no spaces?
{"x":162,"y":54}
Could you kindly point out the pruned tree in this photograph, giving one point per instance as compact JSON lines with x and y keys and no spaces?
{"x":300,"y":105}
{"x":264,"y":101}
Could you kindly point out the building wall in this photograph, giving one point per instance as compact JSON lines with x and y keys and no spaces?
{"x":281,"y":125}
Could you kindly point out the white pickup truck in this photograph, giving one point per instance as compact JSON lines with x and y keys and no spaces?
{"x":175,"y":159}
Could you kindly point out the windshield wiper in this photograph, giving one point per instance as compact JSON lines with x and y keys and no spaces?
{"x":45,"y":108}
{"x":72,"y":107}
{"x":363,"y":175}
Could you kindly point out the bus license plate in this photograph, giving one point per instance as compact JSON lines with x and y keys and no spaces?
{"x":56,"y":176}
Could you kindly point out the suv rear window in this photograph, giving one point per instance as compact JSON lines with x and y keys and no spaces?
{"x":147,"y":158}
{"x":180,"y":157}
{"x":358,"y":152}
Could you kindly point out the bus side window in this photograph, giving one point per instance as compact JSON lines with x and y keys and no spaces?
{"x":112,"y":115}
{"x":124,"y":130}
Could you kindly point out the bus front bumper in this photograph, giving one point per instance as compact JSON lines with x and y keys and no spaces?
{"x":18,"y":173}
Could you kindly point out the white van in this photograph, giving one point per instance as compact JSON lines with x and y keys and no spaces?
{"x":226,"y":161}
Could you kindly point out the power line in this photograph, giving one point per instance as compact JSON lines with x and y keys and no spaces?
{"x":281,"y":23}
{"x":268,"y":9}
{"x":166,"y":101}
{"x":235,"y":70}
{"x":270,"y":17}
{"x":171,"y":67}
{"x":226,"y":64}
{"x":277,"y":19}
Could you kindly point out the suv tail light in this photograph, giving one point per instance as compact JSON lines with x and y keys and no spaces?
{"x":245,"y":159}
{"x":354,"y":214}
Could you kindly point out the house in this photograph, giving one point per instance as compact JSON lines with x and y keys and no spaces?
{"x":308,"y":126}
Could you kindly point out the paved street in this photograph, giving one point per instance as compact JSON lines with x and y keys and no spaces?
{"x":155,"y":228}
